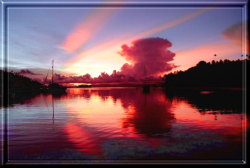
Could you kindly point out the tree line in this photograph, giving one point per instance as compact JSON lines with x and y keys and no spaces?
{"x":223,"y":73}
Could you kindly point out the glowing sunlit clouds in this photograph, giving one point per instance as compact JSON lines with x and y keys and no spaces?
{"x":93,"y":67}
{"x":112,"y":46}
{"x":84,"y":31}
{"x":96,"y":59}
{"x":237,"y":34}
{"x":100,"y":48}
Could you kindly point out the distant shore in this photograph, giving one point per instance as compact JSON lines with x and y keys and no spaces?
{"x":122,"y":84}
{"x":159,"y":84}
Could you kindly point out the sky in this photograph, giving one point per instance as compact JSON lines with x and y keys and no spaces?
{"x":93,"y":40}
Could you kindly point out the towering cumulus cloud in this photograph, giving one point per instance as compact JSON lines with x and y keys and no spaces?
{"x":149,"y":57}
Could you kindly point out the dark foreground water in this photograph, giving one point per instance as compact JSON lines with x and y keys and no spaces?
{"x":115,"y":124}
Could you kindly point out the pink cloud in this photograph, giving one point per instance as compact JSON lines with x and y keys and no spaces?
{"x":148,"y":57}
{"x":237,"y":34}
{"x":114,"y":44}
{"x":234,"y":33}
{"x":85,"y":30}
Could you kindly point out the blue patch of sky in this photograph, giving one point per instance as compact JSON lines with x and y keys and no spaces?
{"x":204,"y":29}
{"x":132,"y":21}
{"x":36,"y":34}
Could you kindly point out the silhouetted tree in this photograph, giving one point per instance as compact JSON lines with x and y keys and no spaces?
{"x":216,"y":74}
{"x":18,"y":87}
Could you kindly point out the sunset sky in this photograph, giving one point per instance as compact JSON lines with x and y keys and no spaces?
{"x":88,"y":39}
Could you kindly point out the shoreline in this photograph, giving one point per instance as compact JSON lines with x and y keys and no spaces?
{"x":166,"y":87}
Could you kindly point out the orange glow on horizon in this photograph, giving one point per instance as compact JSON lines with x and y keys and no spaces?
{"x":105,"y":54}
{"x":205,"y":53}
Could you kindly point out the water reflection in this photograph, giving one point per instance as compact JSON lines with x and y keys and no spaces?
{"x":125,"y":123}
{"x":135,"y":114}
{"x":217,"y":101}
{"x":150,"y":115}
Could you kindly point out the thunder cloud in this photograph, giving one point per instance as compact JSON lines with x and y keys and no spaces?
{"x":148,"y":57}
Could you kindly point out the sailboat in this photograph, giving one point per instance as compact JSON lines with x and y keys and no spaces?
{"x":55,"y":87}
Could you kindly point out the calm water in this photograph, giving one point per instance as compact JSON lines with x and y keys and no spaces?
{"x":127,"y":124}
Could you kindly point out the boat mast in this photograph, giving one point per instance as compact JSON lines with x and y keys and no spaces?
{"x":45,"y":79}
{"x":52,"y":72}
